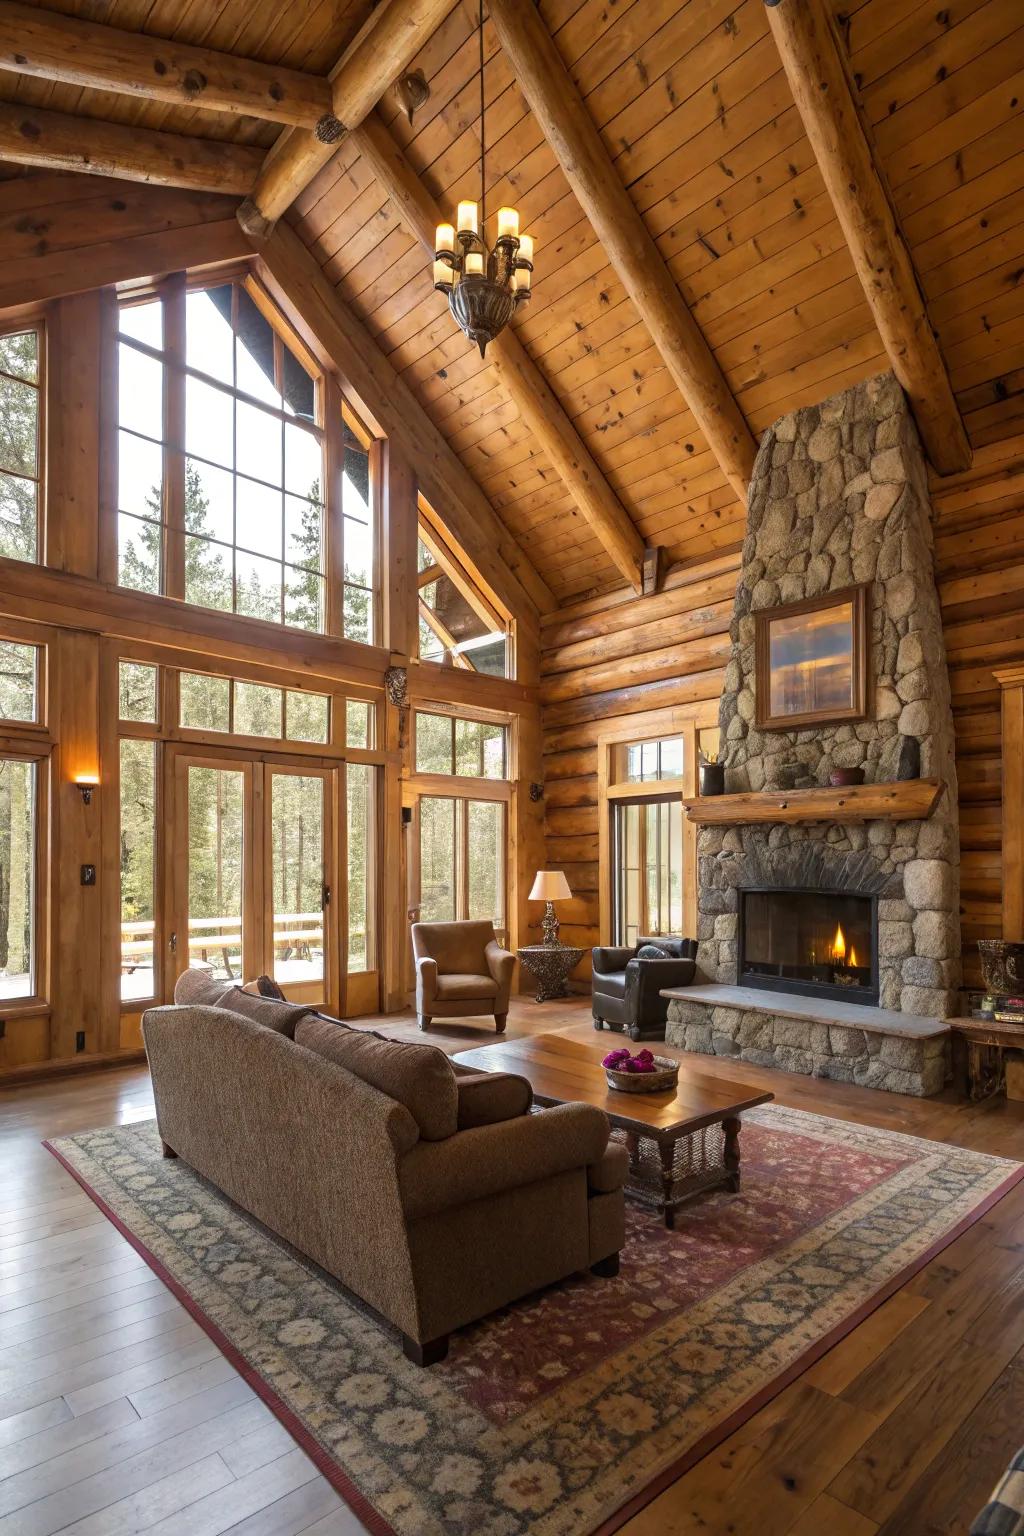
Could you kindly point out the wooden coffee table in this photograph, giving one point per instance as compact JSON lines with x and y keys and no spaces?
{"x":679,"y":1143}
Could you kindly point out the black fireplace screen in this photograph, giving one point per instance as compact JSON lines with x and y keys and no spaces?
{"x":822,"y":943}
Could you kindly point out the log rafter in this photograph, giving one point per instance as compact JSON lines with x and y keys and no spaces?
{"x":520,"y":378}
{"x":61,"y":142}
{"x":568,"y":127}
{"x":819,"y":79}
{"x":88,"y":53}
{"x":386,"y":44}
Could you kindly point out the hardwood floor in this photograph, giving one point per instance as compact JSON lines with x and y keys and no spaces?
{"x":117,"y":1414}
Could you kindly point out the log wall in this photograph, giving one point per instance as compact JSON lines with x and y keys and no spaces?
{"x":610,"y":659}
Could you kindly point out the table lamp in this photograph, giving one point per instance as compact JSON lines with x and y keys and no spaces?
{"x":550,"y":886}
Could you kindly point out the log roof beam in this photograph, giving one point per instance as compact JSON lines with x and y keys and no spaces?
{"x":384,"y":47}
{"x":328,"y":325}
{"x":819,"y":79}
{"x":88,"y":53}
{"x":568,"y":127}
{"x":58,"y":141}
{"x":520,"y":378}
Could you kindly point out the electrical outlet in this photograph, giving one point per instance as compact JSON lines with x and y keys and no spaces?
{"x":80,"y":1040}
{"x":88,"y":874}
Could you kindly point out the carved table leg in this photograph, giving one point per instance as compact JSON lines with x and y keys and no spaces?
{"x":731,"y":1127}
{"x":668,"y":1180}
{"x":633,"y":1148}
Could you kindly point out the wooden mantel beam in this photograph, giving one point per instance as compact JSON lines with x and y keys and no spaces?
{"x":329,"y":326}
{"x":78,"y":52}
{"x":569,"y":129}
{"x":385,"y":46}
{"x":521,"y":379}
{"x":31,"y":136}
{"x":820,"y":82}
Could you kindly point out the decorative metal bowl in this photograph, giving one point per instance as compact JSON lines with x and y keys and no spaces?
{"x":664,"y":1076}
{"x":1002,"y":965}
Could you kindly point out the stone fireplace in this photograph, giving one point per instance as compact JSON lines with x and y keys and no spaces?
{"x":838,"y":497}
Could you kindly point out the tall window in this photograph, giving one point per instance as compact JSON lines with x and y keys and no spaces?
{"x":17,"y":878}
{"x":457,"y":622}
{"x":468,"y":748}
{"x":20,"y":448}
{"x":138,"y":867}
{"x":647,"y":851}
{"x":235,"y":515}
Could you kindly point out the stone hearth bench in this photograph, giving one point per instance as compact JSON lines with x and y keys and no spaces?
{"x":846,"y":1042}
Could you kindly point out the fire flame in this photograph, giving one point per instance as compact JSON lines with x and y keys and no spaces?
{"x":839,"y":944}
{"x":853,"y":956}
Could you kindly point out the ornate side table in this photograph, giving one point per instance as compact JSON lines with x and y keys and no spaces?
{"x":551,"y":964}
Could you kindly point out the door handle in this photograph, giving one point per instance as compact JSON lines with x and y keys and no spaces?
{"x":413,"y":913}
{"x":172,"y":943}
{"x":326,"y":896}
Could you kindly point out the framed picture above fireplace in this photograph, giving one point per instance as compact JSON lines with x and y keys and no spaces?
{"x":811,"y":661}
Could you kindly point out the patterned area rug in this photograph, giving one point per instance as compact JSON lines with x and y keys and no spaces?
{"x":564,"y":1414}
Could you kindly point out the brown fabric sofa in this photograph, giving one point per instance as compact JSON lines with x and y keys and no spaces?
{"x":461,"y":970}
{"x":429,"y":1192}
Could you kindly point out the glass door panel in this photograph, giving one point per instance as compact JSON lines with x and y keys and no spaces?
{"x":485,"y":861}
{"x":439,"y":884}
{"x":647,"y":870}
{"x":361,"y":843}
{"x":297,"y":878}
{"x":216,"y":867}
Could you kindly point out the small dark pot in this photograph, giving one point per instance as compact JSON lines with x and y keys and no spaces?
{"x":840,"y":778}
{"x":712,"y":778}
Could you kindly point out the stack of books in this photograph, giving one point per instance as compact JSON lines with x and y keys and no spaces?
{"x":997,"y":1009}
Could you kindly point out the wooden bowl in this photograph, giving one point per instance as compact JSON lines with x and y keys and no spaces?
{"x":665,"y":1076}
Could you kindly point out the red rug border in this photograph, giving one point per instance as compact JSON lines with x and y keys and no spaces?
{"x":375,"y":1522}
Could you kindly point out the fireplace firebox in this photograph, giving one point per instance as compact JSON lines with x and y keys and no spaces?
{"x":818,"y":943}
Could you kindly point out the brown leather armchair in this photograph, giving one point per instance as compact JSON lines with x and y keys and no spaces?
{"x":626,"y":988}
{"x":461,"y":970}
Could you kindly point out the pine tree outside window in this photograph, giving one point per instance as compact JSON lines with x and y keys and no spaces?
{"x":20,"y":443}
{"x":223,"y":443}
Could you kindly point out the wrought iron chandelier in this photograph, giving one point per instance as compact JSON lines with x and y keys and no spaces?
{"x":484,"y":287}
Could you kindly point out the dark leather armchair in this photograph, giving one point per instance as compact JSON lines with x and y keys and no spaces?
{"x":626,"y":989}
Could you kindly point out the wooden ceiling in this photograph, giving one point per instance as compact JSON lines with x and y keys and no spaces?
{"x":696,"y":113}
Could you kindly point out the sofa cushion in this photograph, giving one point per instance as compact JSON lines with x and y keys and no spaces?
{"x":198,"y":986}
{"x":487,"y":1098}
{"x":457,"y":987}
{"x":418,"y":1076}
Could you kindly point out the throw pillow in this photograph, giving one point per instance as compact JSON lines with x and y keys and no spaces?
{"x":418,"y":1076}
{"x":268,"y":1011}
{"x":653,"y":952}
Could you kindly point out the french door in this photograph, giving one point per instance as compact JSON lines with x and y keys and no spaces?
{"x":262,"y":871}
{"x":458,"y":860}
{"x":647,"y":867}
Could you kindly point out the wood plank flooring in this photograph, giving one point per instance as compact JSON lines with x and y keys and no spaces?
{"x":117,"y":1415}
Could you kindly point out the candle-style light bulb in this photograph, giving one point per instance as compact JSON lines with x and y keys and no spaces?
{"x":475,"y":263}
{"x":525,"y":252}
{"x":445,"y":238}
{"x":467,"y":218}
{"x":443,"y":274}
{"x":508,"y":223}
{"x":522,"y":277}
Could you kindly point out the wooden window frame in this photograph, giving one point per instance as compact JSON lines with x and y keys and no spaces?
{"x":37,"y":322}
{"x":334,"y":415}
{"x":456,"y":714}
{"x":450,"y":562}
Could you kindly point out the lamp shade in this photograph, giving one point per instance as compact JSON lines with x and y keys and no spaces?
{"x":550,"y":885}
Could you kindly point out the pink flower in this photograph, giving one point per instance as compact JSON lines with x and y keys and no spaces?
{"x":614,"y":1058}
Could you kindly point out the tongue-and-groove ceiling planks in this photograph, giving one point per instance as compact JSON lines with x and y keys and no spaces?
{"x":694,"y":108}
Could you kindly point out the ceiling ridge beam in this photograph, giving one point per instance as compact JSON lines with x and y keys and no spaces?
{"x":330,"y":327}
{"x":382,"y":50}
{"x":61,"y":142}
{"x":519,"y":376}
{"x":568,"y":127}
{"x":89,"y":53}
{"x":819,"y":78}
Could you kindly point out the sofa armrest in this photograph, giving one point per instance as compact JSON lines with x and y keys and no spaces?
{"x":611,"y":1172}
{"x":645,"y":979}
{"x":501,"y":963}
{"x":426,"y":981}
{"x":473,"y":1164}
{"x":611,"y":957}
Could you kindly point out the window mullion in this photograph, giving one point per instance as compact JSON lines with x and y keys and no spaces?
{"x":173,"y":584}
{"x":334,"y":534}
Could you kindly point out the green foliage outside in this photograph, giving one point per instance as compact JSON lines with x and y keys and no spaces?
{"x":19,"y":424}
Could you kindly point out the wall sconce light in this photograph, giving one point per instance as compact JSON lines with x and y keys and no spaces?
{"x":86,"y":784}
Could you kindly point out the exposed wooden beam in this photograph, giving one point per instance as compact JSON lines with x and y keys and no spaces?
{"x":77,"y":52}
{"x":31,"y":136}
{"x":385,"y":46}
{"x":292,"y":273}
{"x":518,"y":374}
{"x":820,"y":82}
{"x":569,"y":129}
